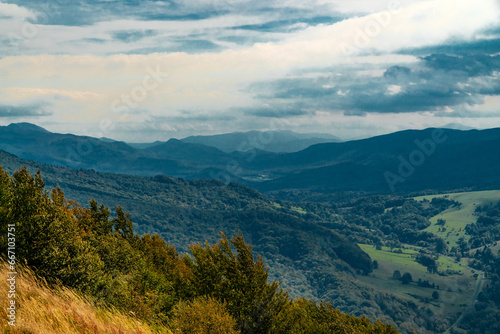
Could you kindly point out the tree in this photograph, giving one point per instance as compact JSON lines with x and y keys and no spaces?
{"x":435,"y":295}
{"x":48,"y":238}
{"x":205,"y":315}
{"x":235,"y":277}
{"x":123,"y":223}
{"x":407,"y":279}
{"x":375,"y":264}
{"x":396,"y":275}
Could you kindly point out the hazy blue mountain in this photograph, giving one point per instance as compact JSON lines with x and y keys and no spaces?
{"x":145,"y":145}
{"x":32,"y":142}
{"x":176,"y":149}
{"x":409,"y":160}
{"x":457,"y":126}
{"x":271,"y":141}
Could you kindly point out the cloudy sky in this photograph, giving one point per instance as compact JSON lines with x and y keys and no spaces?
{"x":149,"y":70}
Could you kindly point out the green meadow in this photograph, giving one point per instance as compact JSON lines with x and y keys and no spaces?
{"x":456,"y":291}
{"x":456,"y":219}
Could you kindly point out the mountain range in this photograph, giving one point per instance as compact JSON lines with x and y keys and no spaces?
{"x":411,"y":160}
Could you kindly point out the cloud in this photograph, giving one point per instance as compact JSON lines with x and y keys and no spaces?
{"x":490,"y":45}
{"x":277,"y":111}
{"x":132,"y":35}
{"x":260,"y":60}
{"x":397,"y":72}
{"x":470,"y":65}
{"x":437,"y":82}
{"x":14,"y":11}
{"x":290,"y":24}
{"x":12,"y":111}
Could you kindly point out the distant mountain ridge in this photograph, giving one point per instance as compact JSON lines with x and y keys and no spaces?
{"x":403,"y":161}
{"x":397,"y":162}
{"x":270,"y":141}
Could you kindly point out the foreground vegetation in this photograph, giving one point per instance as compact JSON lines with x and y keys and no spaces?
{"x":57,"y":309}
{"x":219,"y":288}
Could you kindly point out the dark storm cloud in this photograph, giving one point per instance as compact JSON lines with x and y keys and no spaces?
{"x":132,"y":35}
{"x":436,"y":82}
{"x":22,"y":111}
{"x":469,"y":65}
{"x":87,"y":12}
{"x":484,"y":46}
{"x":277,"y":111}
{"x":289,"y":25}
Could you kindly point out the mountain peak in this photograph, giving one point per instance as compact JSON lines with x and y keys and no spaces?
{"x":26,"y":127}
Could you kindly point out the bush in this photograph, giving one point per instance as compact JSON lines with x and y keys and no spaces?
{"x":205,"y":315}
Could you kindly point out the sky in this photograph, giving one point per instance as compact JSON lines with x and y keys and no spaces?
{"x":146,"y":70}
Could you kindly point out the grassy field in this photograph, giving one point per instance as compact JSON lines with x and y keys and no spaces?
{"x":294,"y":208}
{"x":495,"y":248}
{"x":299,"y":210}
{"x":455,"y":291}
{"x":457,"y":218}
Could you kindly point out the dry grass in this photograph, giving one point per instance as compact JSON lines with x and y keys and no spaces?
{"x":40,"y":309}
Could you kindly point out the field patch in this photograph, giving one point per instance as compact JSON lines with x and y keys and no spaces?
{"x":455,"y":291}
{"x":457,"y":218}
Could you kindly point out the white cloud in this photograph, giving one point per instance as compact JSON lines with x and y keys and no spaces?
{"x":13,"y":11}
{"x":394,"y":89}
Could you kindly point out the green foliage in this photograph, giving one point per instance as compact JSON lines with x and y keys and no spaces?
{"x":239,"y":280}
{"x":47,"y":236}
{"x":305,"y":316}
{"x":406,"y":278}
{"x":221,"y":288}
{"x":204,"y":315}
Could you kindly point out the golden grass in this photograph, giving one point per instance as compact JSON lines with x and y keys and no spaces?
{"x":40,"y":309}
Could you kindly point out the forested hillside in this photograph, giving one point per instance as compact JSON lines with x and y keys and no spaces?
{"x":218,"y":288}
{"x":311,"y":247}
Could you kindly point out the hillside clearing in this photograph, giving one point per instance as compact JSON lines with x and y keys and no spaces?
{"x":456,"y":219}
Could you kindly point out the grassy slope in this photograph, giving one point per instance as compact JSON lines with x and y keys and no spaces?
{"x":458,"y":218}
{"x":461,"y":286}
{"x":44,"y":310}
